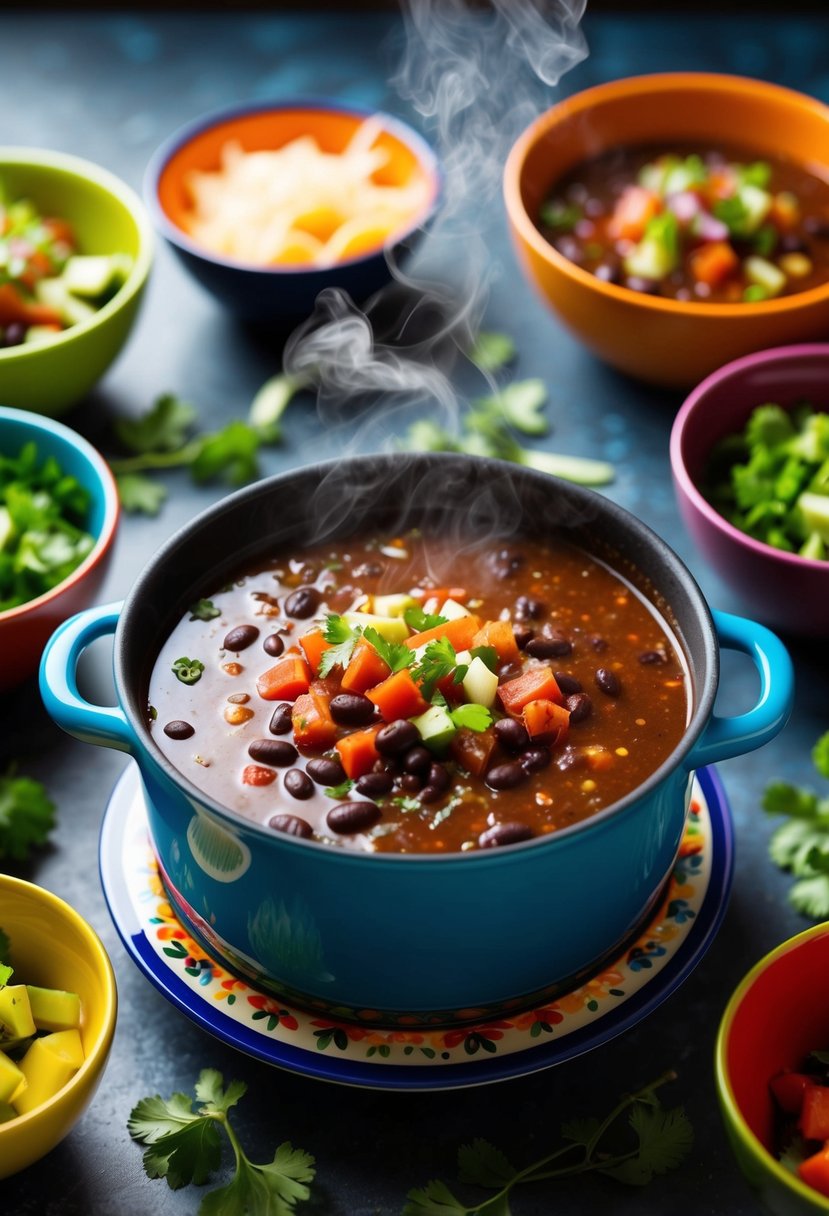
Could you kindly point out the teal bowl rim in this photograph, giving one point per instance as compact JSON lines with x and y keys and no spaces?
{"x":87,"y":170}
{"x":104,"y":487}
{"x":732,"y":1114}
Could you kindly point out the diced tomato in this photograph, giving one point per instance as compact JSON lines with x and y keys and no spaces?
{"x":814,"y":1114}
{"x":537,"y":683}
{"x":358,"y":752}
{"x":312,"y":723}
{"x":788,"y":1089}
{"x":546,"y":722}
{"x":14,"y":308}
{"x":365,"y":670}
{"x":284,"y":682}
{"x":500,"y":636}
{"x":473,"y":749}
{"x":713,"y":262}
{"x":257,"y":774}
{"x":459,"y":631}
{"x":398,"y":697}
{"x":814,"y":1171}
{"x":634,"y":208}
{"x":315,"y":646}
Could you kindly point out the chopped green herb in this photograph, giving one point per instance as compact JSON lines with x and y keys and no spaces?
{"x":473,"y":717}
{"x":519,"y":405}
{"x":204,"y":610}
{"x":406,"y":804}
{"x":189,"y":671}
{"x":339,"y":791}
{"x":559,"y":215}
{"x":139,"y":495}
{"x":420,"y":621}
{"x":395,"y":654}
{"x":27,"y":815}
{"x":184,"y":1146}
{"x":343,"y":639}
{"x":492,"y":351}
{"x":487,"y":655}
{"x":801,"y":845}
{"x":152,"y":713}
{"x":438,"y":661}
{"x":162,"y":428}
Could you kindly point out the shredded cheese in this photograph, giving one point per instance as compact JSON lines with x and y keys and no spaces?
{"x":297,"y":205}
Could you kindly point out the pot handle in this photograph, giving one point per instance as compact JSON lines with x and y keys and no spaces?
{"x":727,"y":737}
{"x":103,"y":724}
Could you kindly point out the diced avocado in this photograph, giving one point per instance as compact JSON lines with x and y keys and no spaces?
{"x":16,"y":1021}
{"x":815,"y":511}
{"x":392,"y":628}
{"x":91,"y":276}
{"x":7,"y":1112}
{"x":392,"y":605}
{"x":54,"y":294}
{"x":11,"y":1078}
{"x":46,"y":1073}
{"x":452,"y":610}
{"x":757,"y":204}
{"x":67,"y":1044}
{"x":480,"y":684}
{"x":436,"y":728}
{"x":53,"y":1009}
{"x":6,"y":527}
{"x":765,"y":274}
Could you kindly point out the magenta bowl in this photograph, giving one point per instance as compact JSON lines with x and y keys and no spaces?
{"x":782,"y":589}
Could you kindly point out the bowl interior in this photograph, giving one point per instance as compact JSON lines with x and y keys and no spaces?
{"x":53,"y":947}
{"x":666,"y":110}
{"x":269,"y":129}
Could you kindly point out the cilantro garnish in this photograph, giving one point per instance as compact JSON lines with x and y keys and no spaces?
{"x":491,"y":351}
{"x":27,"y":815}
{"x":419,"y":621}
{"x":140,"y":495}
{"x":472,"y":716}
{"x":487,"y":655}
{"x":638,"y":1140}
{"x":395,"y":654}
{"x":204,"y":610}
{"x":438,"y":661}
{"x":343,"y":639}
{"x":339,"y":791}
{"x":184,"y":1146}
{"x":801,"y":845}
{"x":189,"y":671}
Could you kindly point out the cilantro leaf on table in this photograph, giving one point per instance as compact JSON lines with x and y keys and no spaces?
{"x":270,"y":403}
{"x":27,"y":815}
{"x":140,"y":495}
{"x":395,"y":655}
{"x":162,"y":428}
{"x":343,"y":639}
{"x":419,"y":621}
{"x":801,"y":844}
{"x":636,"y":1141}
{"x":231,"y":452}
{"x":185,"y":1146}
{"x":519,"y":405}
{"x":491,"y":351}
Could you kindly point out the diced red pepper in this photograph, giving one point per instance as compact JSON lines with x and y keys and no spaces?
{"x":536,"y":683}
{"x":788,"y":1088}
{"x":257,"y":774}
{"x":814,"y":1171}
{"x":814,"y":1114}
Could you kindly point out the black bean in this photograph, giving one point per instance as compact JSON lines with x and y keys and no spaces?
{"x":548,"y":648}
{"x":569,"y":248}
{"x":608,"y":272}
{"x":816,"y":226}
{"x":240,"y":638}
{"x":534,"y":759}
{"x":528,"y":609}
{"x":386,"y":764}
{"x":15,"y":333}
{"x":298,"y":784}
{"x":278,"y":752}
{"x":505,"y":833}
{"x":645,"y":287}
{"x":350,"y":817}
{"x":505,"y":776}
{"x":571,"y":757}
{"x":523,"y":634}
{"x":373,"y":785}
{"x":291,"y":825}
{"x":580,"y":707}
{"x":512,"y":734}
{"x":607,"y":682}
{"x":411,"y":783}
{"x":351,"y":709}
{"x":303,"y":602}
{"x":325,"y":771}
{"x":505,"y":562}
{"x":647,"y":657}
{"x":438,"y":778}
{"x":556,"y":635}
{"x":598,"y":643}
{"x":397,"y":737}
{"x":792,"y":242}
{"x":273,"y":645}
{"x":430,"y":793}
{"x":280,"y":722}
{"x":417,"y":760}
{"x":179,"y":729}
{"x":567,"y":684}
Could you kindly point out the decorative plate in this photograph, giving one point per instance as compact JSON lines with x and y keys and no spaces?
{"x":289,"y":1037}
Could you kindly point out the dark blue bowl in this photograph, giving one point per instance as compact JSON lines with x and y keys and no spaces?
{"x":281,"y":294}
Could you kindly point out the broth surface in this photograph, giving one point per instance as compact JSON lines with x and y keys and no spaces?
{"x":616,"y":664}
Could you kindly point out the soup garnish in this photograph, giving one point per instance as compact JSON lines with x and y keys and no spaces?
{"x":421,"y":698}
{"x":722,"y":226}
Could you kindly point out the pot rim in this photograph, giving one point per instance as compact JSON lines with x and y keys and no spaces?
{"x":701,"y":707}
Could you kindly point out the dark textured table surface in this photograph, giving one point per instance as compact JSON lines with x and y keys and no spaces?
{"x":110,"y":88}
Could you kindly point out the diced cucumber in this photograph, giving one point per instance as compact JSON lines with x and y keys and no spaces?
{"x":650,"y":259}
{"x":46,"y":1073}
{"x":66,"y":1044}
{"x":53,"y":1009}
{"x":392,"y":628}
{"x":757,"y":204}
{"x":16,"y":1021}
{"x":480,"y":684}
{"x":765,"y":274}
{"x":452,"y":610}
{"x":11,"y":1078}
{"x":90,"y":275}
{"x":814,"y":509}
{"x":54,"y":294}
{"x":6,"y":527}
{"x":40,"y":333}
{"x":392,"y":605}
{"x":814,"y":547}
{"x":436,"y":728}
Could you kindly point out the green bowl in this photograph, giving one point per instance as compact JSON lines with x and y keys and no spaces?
{"x":48,"y":377}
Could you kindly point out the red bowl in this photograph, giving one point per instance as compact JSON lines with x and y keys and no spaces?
{"x":783,"y":589}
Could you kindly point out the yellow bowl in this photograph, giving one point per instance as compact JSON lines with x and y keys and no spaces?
{"x":51,"y":945}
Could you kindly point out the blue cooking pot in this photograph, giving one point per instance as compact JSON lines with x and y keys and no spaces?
{"x":412,"y":935}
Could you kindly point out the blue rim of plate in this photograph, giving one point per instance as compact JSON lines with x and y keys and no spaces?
{"x":423,"y":1077}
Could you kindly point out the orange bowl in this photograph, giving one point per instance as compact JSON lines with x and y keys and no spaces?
{"x":669,"y":342}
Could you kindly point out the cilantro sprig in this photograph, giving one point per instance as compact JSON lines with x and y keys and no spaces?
{"x":801,"y":844}
{"x":185,"y":1146}
{"x":395,"y":654}
{"x":419,"y":621}
{"x":438,"y":661}
{"x":633,"y":1144}
{"x":27,"y":815}
{"x":342,"y":638}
